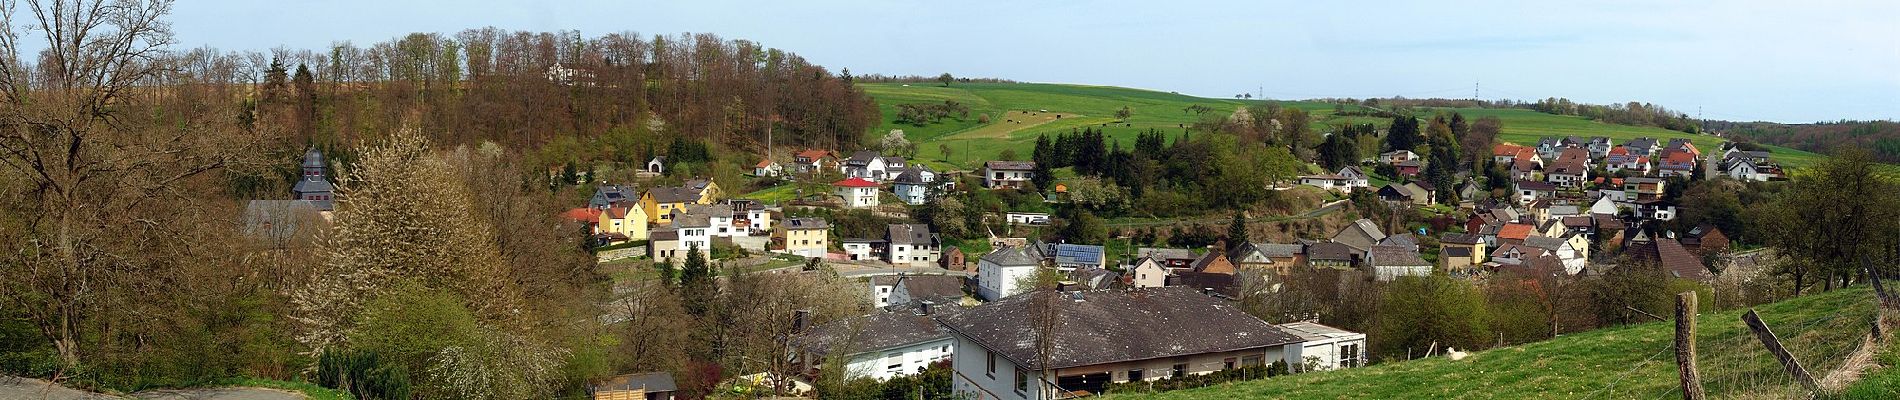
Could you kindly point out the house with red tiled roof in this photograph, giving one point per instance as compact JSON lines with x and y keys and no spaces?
{"x":585,"y":216}
{"x":1676,"y":163}
{"x":767,"y":167}
{"x":857,"y":192}
{"x":812,"y":160}
{"x":1514,"y":233}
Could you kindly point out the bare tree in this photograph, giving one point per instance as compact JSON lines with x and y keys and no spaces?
{"x":92,"y":166}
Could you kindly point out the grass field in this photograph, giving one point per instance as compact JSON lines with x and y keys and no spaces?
{"x":1634,"y":361}
{"x":1018,"y":116}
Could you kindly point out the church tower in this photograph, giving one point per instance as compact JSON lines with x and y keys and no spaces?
{"x":314,"y":187}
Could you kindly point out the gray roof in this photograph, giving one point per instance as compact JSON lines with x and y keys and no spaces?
{"x":1095,"y":278}
{"x":806,"y":223}
{"x":1010,"y":165}
{"x":912,"y":234}
{"x":1012,"y":256}
{"x":1459,"y":238}
{"x":1546,"y":243}
{"x":1278,"y":250}
{"x":1105,"y":326}
{"x":279,"y":219}
{"x":680,"y":194}
{"x":1403,"y":239}
{"x":943,"y":289}
{"x":692,"y":220}
{"x":1166,"y":253}
{"x":861,"y":158}
{"x":1394,"y":256}
{"x":875,"y":331}
{"x":1332,"y":251}
{"x":650,"y":382}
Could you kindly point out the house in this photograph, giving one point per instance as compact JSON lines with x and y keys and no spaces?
{"x":1026,"y":218}
{"x":1013,"y":174}
{"x":1211,"y":283}
{"x":1573,"y":259}
{"x":804,"y":237}
{"x":1599,"y":146}
{"x":953,"y":259}
{"x":860,"y":249}
{"x":812,"y":160}
{"x":1173,"y":259}
{"x":1747,"y":169}
{"x":1279,"y":258}
{"x":1605,"y":206}
{"x":1674,"y":259}
{"x":912,"y":245}
{"x":1642,"y":146}
{"x":1515,"y":254}
{"x":1643,"y":188}
{"x":1387,"y":263}
{"x":1705,"y":239}
{"x":1620,"y":159}
{"x":1147,"y":272}
{"x":856,"y":192}
{"x":1676,"y":163}
{"x":1361,"y":235}
{"x":1548,"y":147}
{"x":607,"y":196}
{"x":758,"y":219}
{"x":881,"y":287}
{"x":629,"y":222}
{"x":1092,"y":278}
{"x":689,"y":231}
{"x":656,"y":165}
{"x":1571,"y":169}
{"x":1514,"y":233}
{"x":1103,"y":337}
{"x":1323,"y":347}
{"x":1066,"y":256}
{"x":659,"y":202}
{"x":313,"y":186}
{"x":1329,"y":255}
{"x":998,"y":272}
{"x":1397,"y":156}
{"x":1408,"y":167}
{"x":644,"y":386}
{"x":1512,"y":155}
{"x":589,"y":218}
{"x":1345,"y":181}
{"x":867,"y":165}
{"x":1530,"y":191}
{"x":720,"y":219}
{"x":1406,"y":194}
{"x":1460,"y":252}
{"x":1214,"y":262}
{"x":880,"y":345}
{"x":913,"y":185}
{"x":767,"y":167}
{"x":1658,"y":209}
{"x":911,"y":291}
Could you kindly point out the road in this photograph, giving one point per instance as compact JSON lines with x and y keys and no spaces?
{"x":1322,"y":210}
{"x":27,"y":388}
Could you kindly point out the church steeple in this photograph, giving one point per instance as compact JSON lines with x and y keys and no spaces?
{"x":314,"y":187}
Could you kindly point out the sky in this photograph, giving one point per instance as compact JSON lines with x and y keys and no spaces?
{"x":1743,"y":60}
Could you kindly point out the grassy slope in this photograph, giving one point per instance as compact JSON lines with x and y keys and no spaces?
{"x":971,"y":143}
{"x":1623,"y":362}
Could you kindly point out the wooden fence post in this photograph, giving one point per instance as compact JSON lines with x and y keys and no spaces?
{"x":1787,"y":359}
{"x":1685,"y":347}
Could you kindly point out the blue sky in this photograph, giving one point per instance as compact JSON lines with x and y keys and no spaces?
{"x":1737,"y":60}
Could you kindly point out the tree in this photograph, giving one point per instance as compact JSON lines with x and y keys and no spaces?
{"x":1420,"y":311}
{"x":1441,"y":166}
{"x":1475,"y":143}
{"x":1124,"y":113}
{"x":1237,"y":231}
{"x":1837,"y":219}
{"x":1403,"y":135}
{"x":1086,"y":228}
{"x":696,"y":282}
{"x":945,"y":79}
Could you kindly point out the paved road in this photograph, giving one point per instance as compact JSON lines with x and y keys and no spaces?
{"x":12,"y":388}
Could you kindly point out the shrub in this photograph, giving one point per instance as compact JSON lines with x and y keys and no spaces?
{"x":363,"y":374}
{"x":1277,"y":368}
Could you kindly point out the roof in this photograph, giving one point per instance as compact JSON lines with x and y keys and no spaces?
{"x":912,"y":175}
{"x":1094,"y":278}
{"x":1674,"y":259}
{"x":1279,"y":250}
{"x":909,"y":234}
{"x":854,"y":182}
{"x":764,"y":163}
{"x":1394,"y":256}
{"x":1546,"y":243}
{"x":1166,"y":254}
{"x":1456,"y":251}
{"x":813,"y":154}
{"x":1073,"y":254}
{"x":1309,"y":331}
{"x":681,"y":194}
{"x":862,"y":157}
{"x":664,"y":235}
{"x":1105,"y":326}
{"x":1535,"y":185}
{"x":932,"y":287}
{"x":1011,"y":256}
{"x":1459,"y":238}
{"x":1332,"y":251}
{"x":650,"y":382}
{"x":1010,"y":165}
{"x":806,"y":223}
{"x":875,"y":331}
{"x":1515,"y":231}
{"x":1218,"y":282}
{"x":583,"y":214}
{"x":1403,"y":239}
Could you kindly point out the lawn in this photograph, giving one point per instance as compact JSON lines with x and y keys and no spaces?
{"x":1634,"y":361}
{"x":1018,"y":117}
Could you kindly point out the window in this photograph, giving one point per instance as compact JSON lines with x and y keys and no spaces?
{"x":1228,"y":363}
{"x":1349,"y":356}
{"x":1253,"y":361}
{"x":1135,"y":375}
{"x":991,"y":364}
{"x":1180,"y":370}
{"x":1022,"y":380}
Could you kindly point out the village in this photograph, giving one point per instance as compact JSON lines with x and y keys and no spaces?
{"x":934,"y":303}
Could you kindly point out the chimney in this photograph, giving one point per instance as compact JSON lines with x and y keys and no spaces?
{"x":1207,"y":291}
{"x":923,"y":307}
{"x":801,"y":321}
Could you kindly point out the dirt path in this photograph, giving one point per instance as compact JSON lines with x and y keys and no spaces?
{"x":25,"y":388}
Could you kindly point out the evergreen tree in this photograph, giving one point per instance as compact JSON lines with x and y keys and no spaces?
{"x":1237,"y":231}
{"x":1442,"y":161}
{"x":1045,"y":158}
{"x":696,"y":281}
{"x":1403,"y":135}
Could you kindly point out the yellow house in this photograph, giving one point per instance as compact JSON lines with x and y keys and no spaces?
{"x":629,"y":221}
{"x":804,"y":236}
{"x":658,"y":203}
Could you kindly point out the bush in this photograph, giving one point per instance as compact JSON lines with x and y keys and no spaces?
{"x":1277,"y":368}
{"x":363,"y":374}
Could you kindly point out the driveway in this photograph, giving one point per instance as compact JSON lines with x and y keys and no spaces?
{"x":35,"y":389}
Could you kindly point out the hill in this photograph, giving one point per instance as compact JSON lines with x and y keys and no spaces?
{"x":1018,"y":116}
{"x":1635,"y":361}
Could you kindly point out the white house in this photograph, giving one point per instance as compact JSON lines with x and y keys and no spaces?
{"x":657,"y":165}
{"x":867,"y":165}
{"x":758,"y":219}
{"x":1397,"y":156}
{"x":767,"y":167}
{"x":999,"y":272}
{"x":857,"y":192}
{"x":914,"y":184}
{"x":1026,"y":218}
{"x":1324,"y":347}
{"x":718,"y":217}
{"x":912,"y":245}
{"x":1572,"y":258}
{"x":881,"y":345}
{"x":1346,"y":180}
{"x":997,"y":174}
{"x":861,"y":248}
{"x":1148,"y":272}
{"x":1104,"y":337}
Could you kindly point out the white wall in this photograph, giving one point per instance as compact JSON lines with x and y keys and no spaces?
{"x":909,"y":359}
{"x":974,"y":379}
{"x":996,"y":282}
